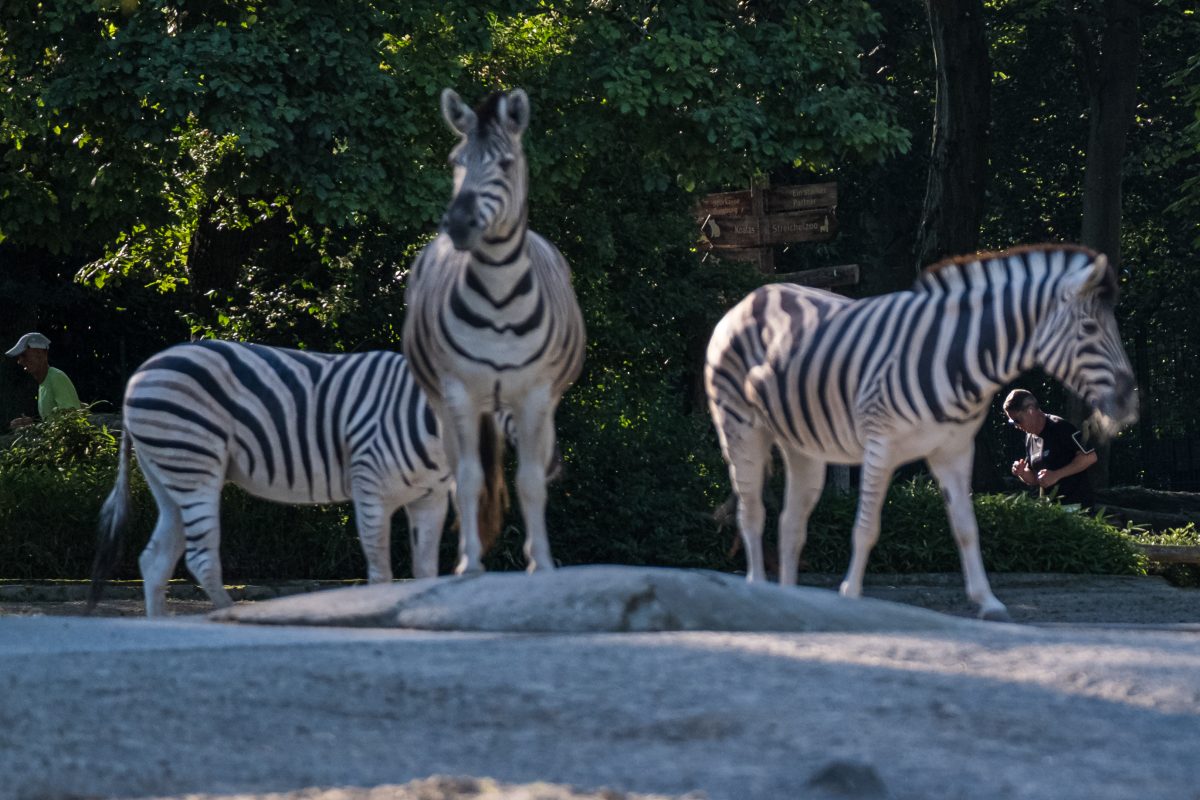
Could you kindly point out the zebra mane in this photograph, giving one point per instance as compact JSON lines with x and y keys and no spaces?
{"x":486,"y":111}
{"x":984,"y":257}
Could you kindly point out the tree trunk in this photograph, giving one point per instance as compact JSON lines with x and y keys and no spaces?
{"x":1109,"y":61}
{"x":954,"y":194}
{"x":1108,"y":50}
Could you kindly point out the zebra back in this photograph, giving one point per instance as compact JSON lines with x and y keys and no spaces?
{"x":289,"y":425}
{"x":826,"y":373}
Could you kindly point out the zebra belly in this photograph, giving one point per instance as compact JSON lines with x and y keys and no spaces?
{"x":301,"y":492}
{"x":836,"y":447}
{"x":492,"y":387}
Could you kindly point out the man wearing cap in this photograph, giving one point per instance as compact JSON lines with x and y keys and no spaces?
{"x":55,"y":390}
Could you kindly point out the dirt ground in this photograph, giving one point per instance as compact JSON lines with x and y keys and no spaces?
{"x":1095,"y":700}
{"x":1031,"y":598}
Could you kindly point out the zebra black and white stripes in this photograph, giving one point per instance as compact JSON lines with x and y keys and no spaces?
{"x":285,"y":425}
{"x":886,"y":380}
{"x":493,"y":324}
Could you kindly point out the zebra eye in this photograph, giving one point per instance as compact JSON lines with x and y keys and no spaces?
{"x":505,"y":161}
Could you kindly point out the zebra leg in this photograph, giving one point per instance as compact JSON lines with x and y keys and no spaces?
{"x":426,"y":517}
{"x":201,"y":512}
{"x":374,"y":524}
{"x":877,"y":469}
{"x":747,"y":450}
{"x":804,"y":480}
{"x":952,"y":467}
{"x":460,"y":418}
{"x":157,"y":561}
{"x":535,"y":447}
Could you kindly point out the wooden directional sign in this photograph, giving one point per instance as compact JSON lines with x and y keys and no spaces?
{"x":743,"y":226}
{"x":727,"y":204}
{"x":819,"y":225}
{"x":801,"y":198}
{"x":733,"y":231}
{"x":774,"y":200}
{"x":800,"y":226}
{"x":763,"y":217}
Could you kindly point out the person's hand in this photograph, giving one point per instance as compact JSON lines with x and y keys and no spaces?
{"x":1047,"y":478}
{"x":1023,"y":472}
{"x":20,"y":422}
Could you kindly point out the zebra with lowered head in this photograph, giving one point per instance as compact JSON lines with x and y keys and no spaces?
{"x":886,"y":380}
{"x":286,"y":425}
{"x":493,"y":324}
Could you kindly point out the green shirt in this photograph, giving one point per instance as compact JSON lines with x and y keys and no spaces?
{"x":56,"y":393}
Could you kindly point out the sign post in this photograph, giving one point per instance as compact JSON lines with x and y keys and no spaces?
{"x":746,"y":225}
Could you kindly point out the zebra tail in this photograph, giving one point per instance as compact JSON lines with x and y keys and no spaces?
{"x":494,"y":501}
{"x":114,"y":516}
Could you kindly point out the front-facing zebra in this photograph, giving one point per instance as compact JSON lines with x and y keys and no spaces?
{"x":289,"y":426}
{"x":890,"y":379}
{"x":493,"y":325}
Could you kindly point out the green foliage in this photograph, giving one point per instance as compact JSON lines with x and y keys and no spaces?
{"x":67,"y":441}
{"x":48,"y":521}
{"x":1188,"y":536}
{"x":48,"y":518}
{"x":1016,"y":534}
{"x":54,"y":476}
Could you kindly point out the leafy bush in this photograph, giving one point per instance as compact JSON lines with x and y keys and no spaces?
{"x":1188,"y":536}
{"x":643,"y":465}
{"x":55,"y":475}
{"x":1017,"y":533}
{"x":67,"y":441}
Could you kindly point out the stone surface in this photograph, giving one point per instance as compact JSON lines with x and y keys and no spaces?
{"x":590,"y":599}
{"x":847,"y":780}
{"x":140,"y":708}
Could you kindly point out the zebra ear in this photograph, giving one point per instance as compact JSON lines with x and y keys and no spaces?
{"x":514,"y":110}
{"x":1101,"y":278}
{"x":458,"y":114}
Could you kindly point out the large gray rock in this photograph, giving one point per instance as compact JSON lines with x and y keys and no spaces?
{"x":591,"y":599}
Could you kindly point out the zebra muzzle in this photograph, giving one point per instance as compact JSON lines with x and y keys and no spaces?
{"x":461,"y":222}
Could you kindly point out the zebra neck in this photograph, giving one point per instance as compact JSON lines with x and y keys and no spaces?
{"x":502,"y":247}
{"x":989,"y":323}
{"x":500,"y":282}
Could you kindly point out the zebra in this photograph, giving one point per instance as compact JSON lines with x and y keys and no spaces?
{"x":889,"y":379}
{"x":492,"y":323}
{"x":286,"y":425}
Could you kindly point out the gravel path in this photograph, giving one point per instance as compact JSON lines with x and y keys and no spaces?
{"x":185,"y":708}
{"x":136,"y":708}
{"x":1031,"y":598}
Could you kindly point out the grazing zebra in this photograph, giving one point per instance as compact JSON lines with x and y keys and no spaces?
{"x":286,"y":425}
{"x":889,"y":379}
{"x":493,"y":324}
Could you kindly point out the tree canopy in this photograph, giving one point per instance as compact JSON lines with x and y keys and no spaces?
{"x":267,"y":170}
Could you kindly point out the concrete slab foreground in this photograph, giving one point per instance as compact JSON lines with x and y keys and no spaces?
{"x":135,"y":708}
{"x":592,"y":599}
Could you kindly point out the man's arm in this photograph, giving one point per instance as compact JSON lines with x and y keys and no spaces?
{"x":1084,"y":458}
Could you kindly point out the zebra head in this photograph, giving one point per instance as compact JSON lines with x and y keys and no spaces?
{"x":490,"y":175}
{"x":1080,"y":345}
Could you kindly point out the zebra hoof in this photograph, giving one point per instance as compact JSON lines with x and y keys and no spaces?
{"x":995,"y":615}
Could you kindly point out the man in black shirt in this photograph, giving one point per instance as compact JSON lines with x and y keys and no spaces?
{"x":1055,"y":454}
